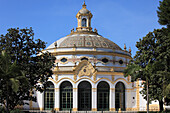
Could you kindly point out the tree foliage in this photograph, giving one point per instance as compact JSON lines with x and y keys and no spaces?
{"x":10,"y":78}
{"x":152,"y":62}
{"x":28,"y":55}
{"x":164,"y":13}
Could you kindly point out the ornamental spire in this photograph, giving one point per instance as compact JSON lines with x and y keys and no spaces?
{"x":84,"y":19}
{"x":84,"y":4}
{"x":124,"y":47}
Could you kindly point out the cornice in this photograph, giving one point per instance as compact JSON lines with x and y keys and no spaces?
{"x":90,"y":53}
{"x":98,"y":72}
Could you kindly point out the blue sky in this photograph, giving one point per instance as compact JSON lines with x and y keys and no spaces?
{"x":121,"y":21}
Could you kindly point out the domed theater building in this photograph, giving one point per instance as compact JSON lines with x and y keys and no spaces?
{"x":88,"y":73}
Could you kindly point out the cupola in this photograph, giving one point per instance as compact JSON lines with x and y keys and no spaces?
{"x":84,"y":19}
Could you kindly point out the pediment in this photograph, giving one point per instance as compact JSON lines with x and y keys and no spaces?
{"x":85,"y":68}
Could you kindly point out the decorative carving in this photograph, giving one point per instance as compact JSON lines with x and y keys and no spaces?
{"x":72,"y":30}
{"x":56,"y":77}
{"x":130,"y":50}
{"x":75,"y":77}
{"x":124,"y":47}
{"x":128,"y":78}
{"x":112,"y":69}
{"x":94,"y":75}
{"x":85,"y":68}
{"x":95,"y":30}
{"x":55,"y":44}
{"x":113,"y":77}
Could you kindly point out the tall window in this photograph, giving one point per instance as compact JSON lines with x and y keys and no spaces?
{"x":120,"y":96}
{"x":103,"y":96}
{"x":84,"y":22}
{"x":49,"y":96}
{"x":84,"y":96}
{"x":66,"y":96}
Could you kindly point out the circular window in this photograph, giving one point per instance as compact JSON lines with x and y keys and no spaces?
{"x":88,"y":43}
{"x":120,"y":61}
{"x":84,"y":58}
{"x":63,"y":60}
{"x":105,"y":60}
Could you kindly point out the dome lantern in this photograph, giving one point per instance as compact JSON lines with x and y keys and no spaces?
{"x":84,"y":19}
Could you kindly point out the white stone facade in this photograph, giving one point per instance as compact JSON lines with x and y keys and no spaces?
{"x":84,"y":55}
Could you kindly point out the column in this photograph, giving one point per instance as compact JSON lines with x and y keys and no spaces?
{"x":87,"y":22}
{"x":57,"y":99}
{"x":75,"y":100}
{"x":40,"y":100}
{"x":112,"y":99}
{"x":94,"y":99}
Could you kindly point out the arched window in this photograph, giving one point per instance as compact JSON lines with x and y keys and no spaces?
{"x":66,"y":96}
{"x":84,"y":22}
{"x":103,"y":90}
{"x":49,"y":96}
{"x":120,"y":96}
{"x":84,"y":96}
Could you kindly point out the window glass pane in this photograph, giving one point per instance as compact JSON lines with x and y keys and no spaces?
{"x":84,"y":96}
{"x":120,"y":96}
{"x":49,"y":96}
{"x":66,"y":91}
{"x":103,"y":90}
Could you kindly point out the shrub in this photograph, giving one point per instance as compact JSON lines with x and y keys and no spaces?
{"x":2,"y":110}
{"x":16,"y":111}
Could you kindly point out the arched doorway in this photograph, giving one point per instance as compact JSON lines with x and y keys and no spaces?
{"x":84,"y":96}
{"x":66,"y":96}
{"x":103,"y":90}
{"x":120,"y":96}
{"x":49,"y":96}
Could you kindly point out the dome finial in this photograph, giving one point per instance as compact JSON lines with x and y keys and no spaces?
{"x":84,"y":4}
{"x":130,"y":50}
{"x":124,"y":47}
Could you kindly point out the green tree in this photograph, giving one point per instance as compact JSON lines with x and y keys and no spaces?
{"x":10,"y":78}
{"x":164,"y":19}
{"x":36,"y":65}
{"x":151,"y":63}
{"x":153,"y":58}
{"x":164,"y":13}
{"x":136,"y":71}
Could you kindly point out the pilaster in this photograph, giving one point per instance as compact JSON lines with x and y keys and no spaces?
{"x":75,"y":96}
{"x":57,"y":99}
{"x":94,"y":99}
{"x":112,"y":99}
{"x":40,"y":100}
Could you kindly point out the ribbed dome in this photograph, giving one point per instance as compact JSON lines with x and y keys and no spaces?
{"x":85,"y":40}
{"x":84,"y":37}
{"x":84,"y":11}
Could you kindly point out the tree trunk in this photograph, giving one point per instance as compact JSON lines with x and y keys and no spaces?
{"x":161,"y":105}
{"x":7,"y":99}
{"x":147,"y":96}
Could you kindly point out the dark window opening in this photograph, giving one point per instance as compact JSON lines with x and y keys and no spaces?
{"x":63,"y":60}
{"x":49,"y":96}
{"x":120,"y":61}
{"x":120,"y":96}
{"x":103,"y":90}
{"x":66,"y":96}
{"x":84,"y":22}
{"x":84,"y":96}
{"x":105,"y":60}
